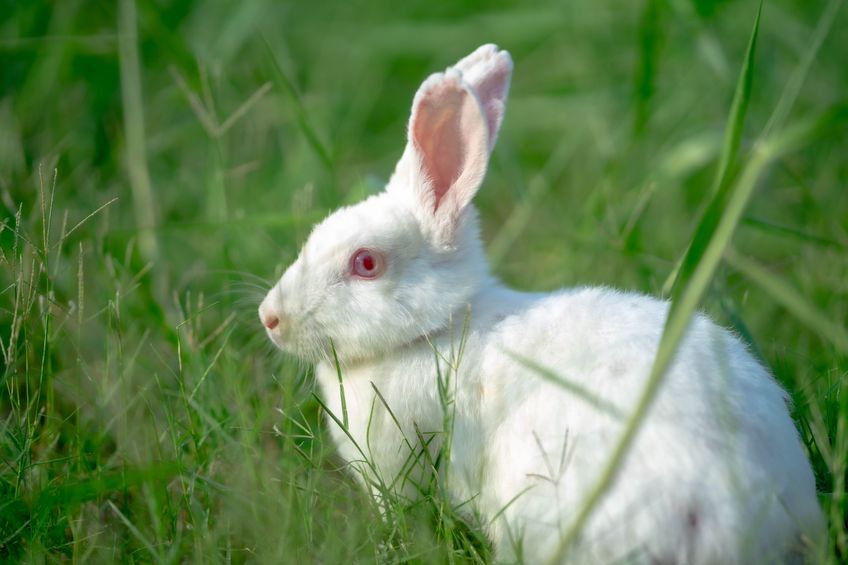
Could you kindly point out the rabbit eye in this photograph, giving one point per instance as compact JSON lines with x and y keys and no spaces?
{"x":367,"y":264}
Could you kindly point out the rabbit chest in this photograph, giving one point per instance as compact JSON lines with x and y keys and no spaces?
{"x":397,"y":414}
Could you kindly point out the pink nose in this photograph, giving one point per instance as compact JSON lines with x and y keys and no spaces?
{"x":271,"y":322}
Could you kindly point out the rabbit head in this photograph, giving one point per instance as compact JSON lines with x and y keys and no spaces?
{"x":399,"y":265}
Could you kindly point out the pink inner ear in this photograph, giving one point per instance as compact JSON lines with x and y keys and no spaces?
{"x":437,"y":133}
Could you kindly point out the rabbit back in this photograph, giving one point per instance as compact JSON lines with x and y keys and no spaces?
{"x":716,"y":474}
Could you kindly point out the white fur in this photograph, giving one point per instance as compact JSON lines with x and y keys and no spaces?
{"x":717,"y":474}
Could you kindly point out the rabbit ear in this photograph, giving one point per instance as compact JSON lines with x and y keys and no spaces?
{"x":488,"y":70}
{"x":447,"y":153}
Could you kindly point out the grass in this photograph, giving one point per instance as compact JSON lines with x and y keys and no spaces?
{"x":161,"y":164}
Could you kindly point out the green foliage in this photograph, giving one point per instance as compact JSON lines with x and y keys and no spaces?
{"x":161,"y":163}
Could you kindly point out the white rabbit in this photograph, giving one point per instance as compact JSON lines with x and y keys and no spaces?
{"x":399,"y":283}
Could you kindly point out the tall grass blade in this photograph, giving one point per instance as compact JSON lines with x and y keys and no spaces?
{"x":799,"y":76}
{"x":342,"y":396}
{"x":724,"y":173}
{"x":571,"y":386}
{"x":134,"y":124}
{"x":683,"y":308}
{"x":650,"y":39}
{"x":695,"y":277}
{"x":300,"y":110}
{"x":790,"y":231}
{"x":136,"y":533}
{"x":790,"y":299}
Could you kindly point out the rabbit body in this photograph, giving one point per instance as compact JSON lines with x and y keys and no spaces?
{"x":395,"y":294}
{"x":716,"y":475}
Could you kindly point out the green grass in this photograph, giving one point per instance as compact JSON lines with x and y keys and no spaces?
{"x":160,"y":165}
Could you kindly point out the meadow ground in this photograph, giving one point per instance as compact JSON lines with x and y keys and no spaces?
{"x":161,"y":163}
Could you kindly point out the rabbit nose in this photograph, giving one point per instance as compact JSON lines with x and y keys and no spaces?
{"x":271,"y":322}
{"x":268,"y":317}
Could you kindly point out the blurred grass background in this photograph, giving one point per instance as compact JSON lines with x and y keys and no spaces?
{"x":162,"y":162}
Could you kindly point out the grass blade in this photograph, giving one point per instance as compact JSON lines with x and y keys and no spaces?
{"x":790,"y":299}
{"x":571,"y":386}
{"x":738,"y":111}
{"x":793,"y":88}
{"x":701,"y":262}
{"x":726,"y":163}
{"x":683,"y":308}
{"x":136,"y":532}
{"x":134,"y":124}
{"x":342,"y":396}
{"x":650,"y":42}
{"x":300,"y":110}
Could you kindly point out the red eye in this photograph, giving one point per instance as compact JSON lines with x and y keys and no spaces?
{"x":367,"y":264}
